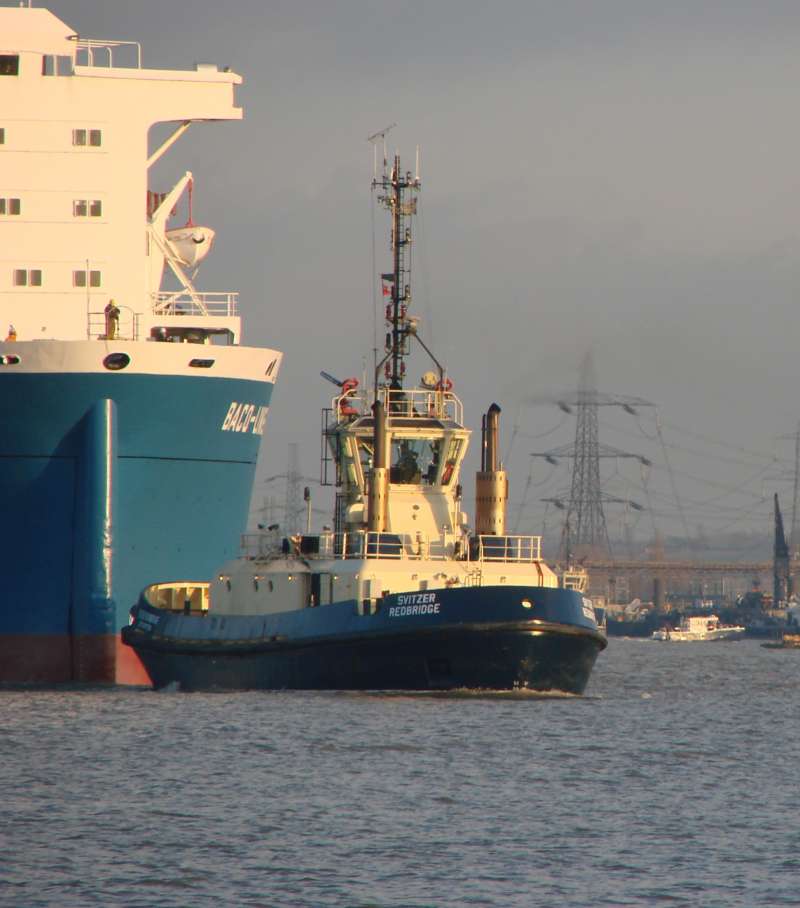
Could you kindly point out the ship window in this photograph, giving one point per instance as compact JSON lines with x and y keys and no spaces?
{"x":9,"y":64}
{"x":2,"y":135}
{"x":56,"y":65}
{"x":201,"y":363}
{"x":93,"y":137}
{"x":10,"y":206}
{"x":452,"y":460}
{"x":10,"y":359}
{"x":27,"y":277}
{"x":82,"y":208}
{"x":79,"y":278}
{"x":415,"y":460}
{"x":116,"y":361}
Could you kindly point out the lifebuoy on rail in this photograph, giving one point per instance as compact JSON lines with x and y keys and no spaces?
{"x":445,"y":385}
{"x":348,"y":385}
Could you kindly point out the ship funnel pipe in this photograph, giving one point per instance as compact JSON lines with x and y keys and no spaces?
{"x":492,"y":437}
{"x":379,"y":433}
{"x":491,"y":483}
{"x":378,"y":486}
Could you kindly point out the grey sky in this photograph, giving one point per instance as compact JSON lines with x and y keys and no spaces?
{"x":616,"y":174}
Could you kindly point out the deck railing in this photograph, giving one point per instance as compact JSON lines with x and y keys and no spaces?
{"x":181,"y":302}
{"x":395,"y":546}
{"x":410,"y":403}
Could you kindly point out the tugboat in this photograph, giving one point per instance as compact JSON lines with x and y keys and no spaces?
{"x":399,"y":594}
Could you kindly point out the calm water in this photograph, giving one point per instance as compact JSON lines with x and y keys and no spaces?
{"x":673,"y":782}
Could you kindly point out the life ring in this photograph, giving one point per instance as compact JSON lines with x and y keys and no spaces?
{"x":445,"y":385}
{"x":348,"y":385}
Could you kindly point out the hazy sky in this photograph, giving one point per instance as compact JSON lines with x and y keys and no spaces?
{"x":618,"y":174}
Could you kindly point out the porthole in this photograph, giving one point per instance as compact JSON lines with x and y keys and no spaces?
{"x":201,"y":363}
{"x":9,"y":359}
{"x":526,"y":603}
{"x":116,"y":361}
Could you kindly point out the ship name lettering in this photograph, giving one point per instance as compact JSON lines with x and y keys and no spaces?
{"x":427,"y":608}
{"x":415,"y":598}
{"x":244,"y":418}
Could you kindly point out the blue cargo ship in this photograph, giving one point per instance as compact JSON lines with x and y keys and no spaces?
{"x":399,"y":593}
{"x":131,"y":411}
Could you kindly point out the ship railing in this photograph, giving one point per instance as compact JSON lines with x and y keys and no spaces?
{"x":208,"y":303}
{"x":127,"y":328}
{"x":189,"y":597}
{"x":574,"y":579}
{"x":100,"y":51}
{"x":395,"y":546}
{"x":514,"y":549}
{"x":411,"y":403}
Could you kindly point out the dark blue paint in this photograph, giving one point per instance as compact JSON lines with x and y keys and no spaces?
{"x":181,"y":490}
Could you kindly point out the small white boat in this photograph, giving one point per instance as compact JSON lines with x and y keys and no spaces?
{"x":700,"y":627}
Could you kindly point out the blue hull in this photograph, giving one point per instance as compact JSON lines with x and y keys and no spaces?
{"x":476,"y":638}
{"x":107,"y":481}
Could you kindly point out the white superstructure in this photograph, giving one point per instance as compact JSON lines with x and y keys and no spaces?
{"x":79,"y":225}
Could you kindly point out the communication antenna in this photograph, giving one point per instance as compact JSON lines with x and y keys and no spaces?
{"x":373,"y":139}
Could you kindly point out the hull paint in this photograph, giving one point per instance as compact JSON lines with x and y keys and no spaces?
{"x":107,"y":478}
{"x":477,"y":639}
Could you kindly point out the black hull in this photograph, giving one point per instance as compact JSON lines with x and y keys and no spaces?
{"x":477,"y":658}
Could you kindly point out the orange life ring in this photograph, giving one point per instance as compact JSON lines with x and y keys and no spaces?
{"x":348,"y":385}
{"x":445,"y":385}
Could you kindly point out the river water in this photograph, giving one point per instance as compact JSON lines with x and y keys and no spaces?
{"x":672,"y":782}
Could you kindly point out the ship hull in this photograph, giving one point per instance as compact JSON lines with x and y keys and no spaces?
{"x":105,"y":477}
{"x":477,"y":640}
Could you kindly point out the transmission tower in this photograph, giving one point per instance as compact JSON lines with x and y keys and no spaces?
{"x":293,"y":512}
{"x":585,"y":525}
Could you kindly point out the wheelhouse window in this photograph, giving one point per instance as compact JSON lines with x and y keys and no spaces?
{"x":80,"y":278}
{"x":415,"y":460}
{"x":9,"y":64}
{"x":53,"y":65}
{"x":453,"y":453}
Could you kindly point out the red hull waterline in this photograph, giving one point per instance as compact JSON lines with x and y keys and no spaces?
{"x":63,"y":659}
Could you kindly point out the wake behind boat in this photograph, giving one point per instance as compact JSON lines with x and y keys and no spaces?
{"x":399,"y":594}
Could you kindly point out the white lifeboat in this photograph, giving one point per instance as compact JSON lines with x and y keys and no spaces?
{"x":191,"y":243}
